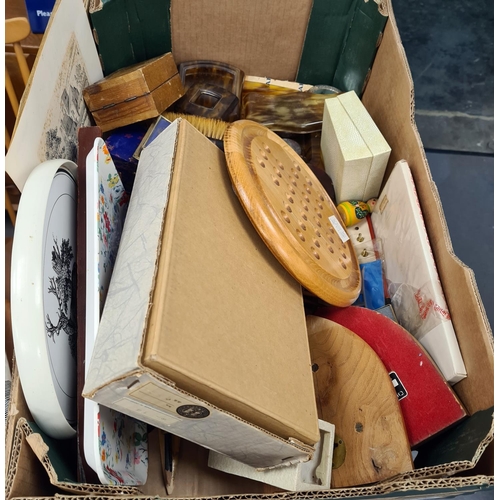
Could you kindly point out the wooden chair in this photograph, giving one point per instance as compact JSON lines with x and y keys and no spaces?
{"x":16,"y":30}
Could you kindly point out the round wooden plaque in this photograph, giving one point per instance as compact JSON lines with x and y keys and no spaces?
{"x":292,"y":212}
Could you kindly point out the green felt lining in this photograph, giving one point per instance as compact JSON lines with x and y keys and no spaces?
{"x":340,"y":44}
{"x":131,"y":31}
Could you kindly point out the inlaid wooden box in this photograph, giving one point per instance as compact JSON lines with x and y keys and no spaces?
{"x":136,"y":93}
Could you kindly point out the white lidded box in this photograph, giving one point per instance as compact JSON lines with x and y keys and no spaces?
{"x":354,"y":151}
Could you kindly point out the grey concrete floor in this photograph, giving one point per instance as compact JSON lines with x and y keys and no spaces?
{"x":449,"y":46}
{"x":465,"y":184}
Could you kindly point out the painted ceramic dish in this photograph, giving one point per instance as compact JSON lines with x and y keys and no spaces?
{"x":43,"y":296}
{"x":115,"y":445}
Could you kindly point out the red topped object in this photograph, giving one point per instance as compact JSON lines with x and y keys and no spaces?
{"x":428,"y":403}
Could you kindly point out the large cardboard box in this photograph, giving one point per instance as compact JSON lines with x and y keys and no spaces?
{"x":265,"y":39}
{"x":203,"y":332}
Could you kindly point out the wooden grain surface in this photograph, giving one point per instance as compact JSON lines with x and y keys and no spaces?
{"x":290,"y":210}
{"x":355,"y":392}
{"x":134,"y":94}
{"x":31,"y":44}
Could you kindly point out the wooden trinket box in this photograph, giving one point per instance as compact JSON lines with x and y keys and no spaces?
{"x":136,"y":93}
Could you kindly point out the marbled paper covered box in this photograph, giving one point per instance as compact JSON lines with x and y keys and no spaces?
{"x":196,"y":311}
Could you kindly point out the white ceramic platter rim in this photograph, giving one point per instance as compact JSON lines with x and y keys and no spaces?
{"x":27,"y":292}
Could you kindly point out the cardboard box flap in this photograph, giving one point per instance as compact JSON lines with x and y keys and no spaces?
{"x":193,"y":477}
{"x":116,"y":352}
{"x":58,"y":470}
{"x":389,"y":100}
{"x":25,"y":475}
{"x":259,"y":37}
{"x":227,"y":322}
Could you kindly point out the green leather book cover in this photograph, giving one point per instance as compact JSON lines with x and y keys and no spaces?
{"x":360,"y":47}
{"x":340,"y":44}
{"x":130,"y":31}
{"x":326,"y":31}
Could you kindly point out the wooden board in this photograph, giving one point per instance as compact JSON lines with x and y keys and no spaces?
{"x":292,"y":212}
{"x":354,"y":392}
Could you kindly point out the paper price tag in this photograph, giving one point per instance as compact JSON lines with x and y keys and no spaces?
{"x":338,"y":227}
{"x":171,"y":402}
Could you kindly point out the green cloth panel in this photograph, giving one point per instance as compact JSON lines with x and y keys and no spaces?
{"x":458,"y":443}
{"x":360,"y":47}
{"x":131,"y":31}
{"x":340,"y":43}
{"x":326,"y":31}
{"x":62,"y":455}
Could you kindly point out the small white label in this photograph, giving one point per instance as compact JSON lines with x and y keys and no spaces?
{"x":147,"y":413}
{"x":338,"y":227}
{"x":398,"y":386}
{"x":168,"y":401}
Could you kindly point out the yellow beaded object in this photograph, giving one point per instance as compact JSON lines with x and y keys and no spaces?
{"x":353,"y":211}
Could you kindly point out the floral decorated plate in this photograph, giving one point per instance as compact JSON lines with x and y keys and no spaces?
{"x":115,"y":445}
{"x":43,"y":296}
